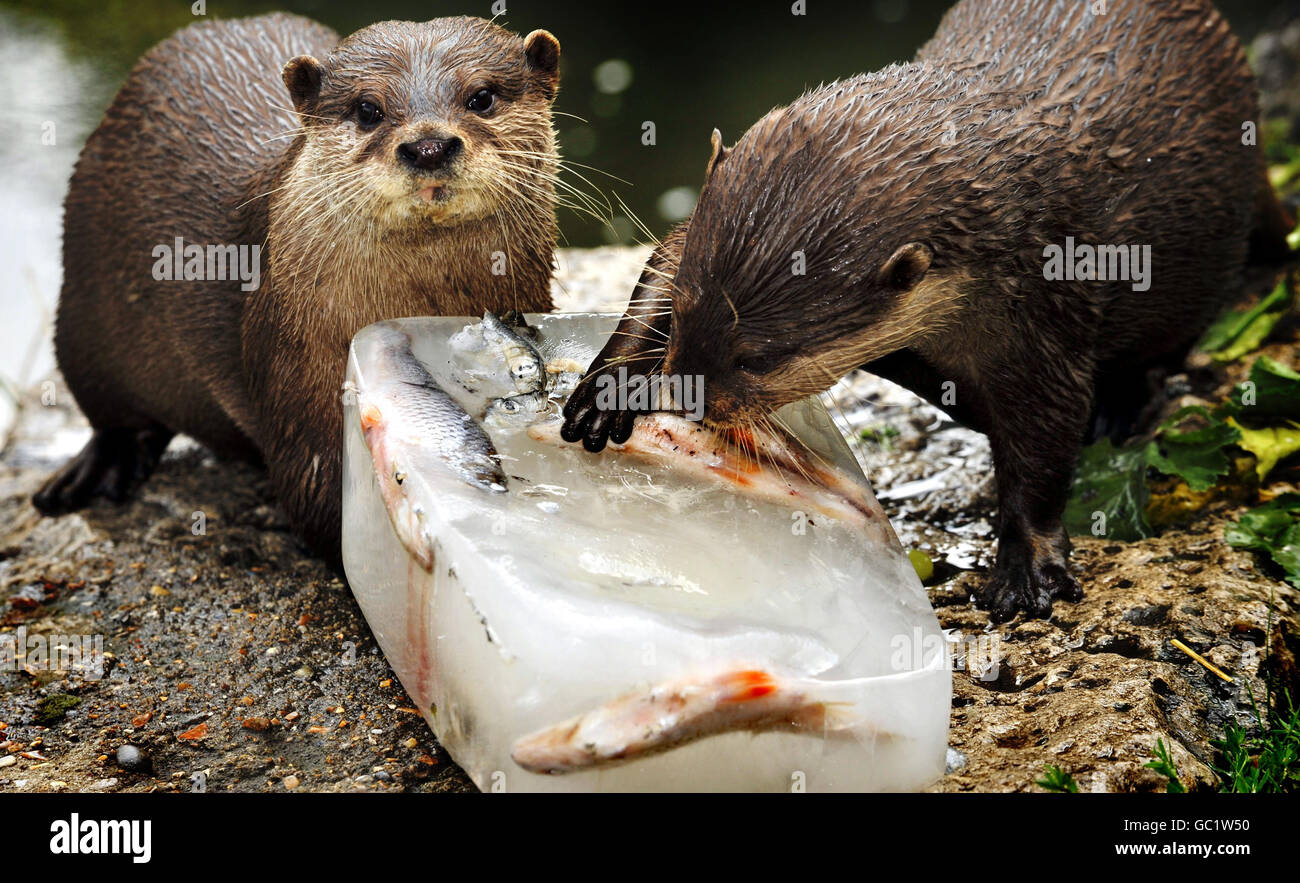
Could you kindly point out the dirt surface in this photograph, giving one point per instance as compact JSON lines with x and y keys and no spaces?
{"x":237,"y":662}
{"x":1092,"y":689}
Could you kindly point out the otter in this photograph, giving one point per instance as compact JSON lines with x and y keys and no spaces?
{"x":904,"y":222}
{"x":405,"y":170}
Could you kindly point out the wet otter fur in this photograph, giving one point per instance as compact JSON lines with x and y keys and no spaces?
{"x":405,"y":170}
{"x":921,"y":201}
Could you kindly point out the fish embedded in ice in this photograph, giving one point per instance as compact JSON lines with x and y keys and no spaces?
{"x":688,"y":611}
{"x":765,"y":465}
{"x":669,"y":715}
{"x":407,"y":418}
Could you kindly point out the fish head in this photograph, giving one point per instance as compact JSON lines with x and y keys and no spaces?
{"x":519,"y":410}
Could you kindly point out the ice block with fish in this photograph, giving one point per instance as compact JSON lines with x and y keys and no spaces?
{"x":687,"y":611}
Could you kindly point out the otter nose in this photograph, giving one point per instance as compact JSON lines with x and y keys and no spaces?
{"x":430,"y":153}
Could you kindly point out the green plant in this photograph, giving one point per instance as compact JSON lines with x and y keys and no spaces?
{"x":1164,"y":765}
{"x":1267,"y":761}
{"x":1056,"y":779}
{"x":882,"y":435}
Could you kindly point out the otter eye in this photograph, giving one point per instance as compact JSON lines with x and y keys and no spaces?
{"x":759,"y":364}
{"x":481,"y":101}
{"x":369,"y":115}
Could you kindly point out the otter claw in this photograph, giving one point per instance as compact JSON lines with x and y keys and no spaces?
{"x":621,"y":431}
{"x":1028,"y":590}
{"x":584,"y":422}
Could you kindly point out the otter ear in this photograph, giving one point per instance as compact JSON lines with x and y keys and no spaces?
{"x":302,"y":77}
{"x":906,"y":267}
{"x":542,"y":51}
{"x":718,"y":155}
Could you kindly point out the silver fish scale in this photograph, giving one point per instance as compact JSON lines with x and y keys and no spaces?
{"x":462,"y":443}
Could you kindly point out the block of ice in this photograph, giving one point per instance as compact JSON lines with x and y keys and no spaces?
{"x":604,"y":623}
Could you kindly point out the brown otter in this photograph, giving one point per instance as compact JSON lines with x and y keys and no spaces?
{"x":903,"y":221}
{"x":408,"y":171}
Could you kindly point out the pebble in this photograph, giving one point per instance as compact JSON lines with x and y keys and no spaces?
{"x":131,"y":759}
{"x":955,"y":761}
{"x":7,"y":760}
{"x":291,"y":782}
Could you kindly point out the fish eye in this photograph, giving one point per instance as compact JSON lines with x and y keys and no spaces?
{"x":399,"y":476}
{"x":368,"y":114}
{"x":481,"y":101}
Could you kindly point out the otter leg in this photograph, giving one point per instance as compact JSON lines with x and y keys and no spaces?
{"x":1035,"y":446}
{"x":637,"y":346}
{"x":112,"y":464}
{"x":1032,"y":564}
{"x":1126,"y":401}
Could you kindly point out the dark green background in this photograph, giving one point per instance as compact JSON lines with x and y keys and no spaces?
{"x":695,"y":65}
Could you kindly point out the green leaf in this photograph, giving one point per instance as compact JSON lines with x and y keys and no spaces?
{"x":1273,"y":528}
{"x":1058,"y":780}
{"x":1270,"y":395}
{"x":1164,"y":765}
{"x":1270,"y":446}
{"x":1111,"y":481}
{"x":1196,"y":456}
{"x":1236,"y":333}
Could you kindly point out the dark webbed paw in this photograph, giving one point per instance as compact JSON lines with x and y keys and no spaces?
{"x":587,"y":421}
{"x":1028,"y":588}
{"x":113,"y":464}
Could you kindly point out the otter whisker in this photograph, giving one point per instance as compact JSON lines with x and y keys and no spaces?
{"x":640,"y":225}
{"x":639,"y":320}
{"x":296,"y":112}
{"x":637,"y":336}
{"x":560,"y":113}
{"x":567,"y":164}
{"x":331,"y":178}
{"x":556,"y":180}
{"x":588,"y":206}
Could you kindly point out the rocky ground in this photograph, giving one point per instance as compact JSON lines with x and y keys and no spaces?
{"x":237,"y":662}
{"x":1094,"y":688}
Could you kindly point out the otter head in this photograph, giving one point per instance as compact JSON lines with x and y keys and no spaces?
{"x":441,"y":122}
{"x":788,"y":277}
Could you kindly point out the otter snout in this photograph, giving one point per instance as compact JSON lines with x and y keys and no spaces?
{"x":429,"y":154}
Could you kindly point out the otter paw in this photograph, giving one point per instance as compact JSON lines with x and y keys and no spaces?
{"x":1028,"y":590}
{"x":112,"y":464}
{"x":586,"y":421}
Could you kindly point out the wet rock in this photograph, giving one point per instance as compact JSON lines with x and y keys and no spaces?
{"x":956,"y":761}
{"x":132,"y":759}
